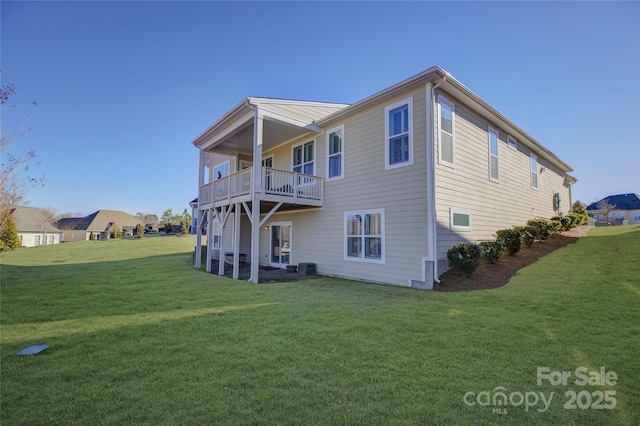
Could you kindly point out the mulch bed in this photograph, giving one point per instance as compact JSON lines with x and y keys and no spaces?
{"x":495,"y":275}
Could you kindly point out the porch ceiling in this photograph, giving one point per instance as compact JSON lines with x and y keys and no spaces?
{"x":274,"y":133}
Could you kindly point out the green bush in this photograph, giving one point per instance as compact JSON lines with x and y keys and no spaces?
{"x":527,"y":234}
{"x":9,"y":238}
{"x":492,"y":250}
{"x":566,"y":221}
{"x":541,"y":228}
{"x":555,"y":226}
{"x":464,"y":257}
{"x":92,"y":237}
{"x":139,"y":230}
{"x":510,"y":239}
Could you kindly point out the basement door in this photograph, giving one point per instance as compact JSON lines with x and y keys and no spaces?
{"x":280,"y":244}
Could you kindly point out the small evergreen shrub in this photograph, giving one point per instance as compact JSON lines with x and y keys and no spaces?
{"x":9,"y":238}
{"x":464,"y":257}
{"x":555,"y":226}
{"x":510,"y":239}
{"x":92,"y":237}
{"x":541,"y":227}
{"x":527,"y":234}
{"x":139,"y":230}
{"x":492,"y":250}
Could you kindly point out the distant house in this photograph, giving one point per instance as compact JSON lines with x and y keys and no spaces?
{"x":378,"y":190}
{"x":33,"y":227}
{"x":194,"y":216}
{"x":627,"y":207}
{"x":102,"y":224}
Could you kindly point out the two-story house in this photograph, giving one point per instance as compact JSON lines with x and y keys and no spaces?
{"x":375,"y":191}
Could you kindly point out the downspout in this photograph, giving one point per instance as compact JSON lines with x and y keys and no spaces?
{"x":431,"y":181}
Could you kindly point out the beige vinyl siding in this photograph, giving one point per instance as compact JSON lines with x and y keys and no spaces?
{"x":318,"y":235}
{"x":492,"y":205}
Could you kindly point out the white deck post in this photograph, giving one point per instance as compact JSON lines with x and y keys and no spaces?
{"x":221,"y":218}
{"x":209,"y":240}
{"x":256,"y":193}
{"x":198,"y":254}
{"x":236,"y":242}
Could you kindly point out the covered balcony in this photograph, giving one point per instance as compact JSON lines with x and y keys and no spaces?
{"x":294,"y":190}
{"x":249,"y":186}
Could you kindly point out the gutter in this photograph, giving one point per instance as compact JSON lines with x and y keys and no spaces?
{"x":431,"y":179}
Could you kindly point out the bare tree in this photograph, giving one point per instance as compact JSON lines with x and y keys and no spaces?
{"x":47,"y":217}
{"x":605,"y":209}
{"x":15,"y":176}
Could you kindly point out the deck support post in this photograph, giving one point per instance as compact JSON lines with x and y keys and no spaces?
{"x":256,"y":193}
{"x":236,"y":243}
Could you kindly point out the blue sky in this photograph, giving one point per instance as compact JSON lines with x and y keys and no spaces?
{"x":123,"y":88}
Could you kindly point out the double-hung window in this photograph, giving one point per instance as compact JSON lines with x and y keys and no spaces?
{"x":534,"y":171}
{"x":399,"y":134}
{"x":335,"y":153}
{"x":304,"y":158}
{"x":364,"y":236}
{"x":494,"y":172}
{"x":512,"y":142}
{"x":446,"y":141}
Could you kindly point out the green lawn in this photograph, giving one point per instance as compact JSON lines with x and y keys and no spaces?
{"x":138,"y":336}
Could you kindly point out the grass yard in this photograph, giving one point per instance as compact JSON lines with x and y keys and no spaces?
{"x":138,"y":336}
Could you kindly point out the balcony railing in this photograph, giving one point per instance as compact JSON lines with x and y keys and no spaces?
{"x":275,"y":183}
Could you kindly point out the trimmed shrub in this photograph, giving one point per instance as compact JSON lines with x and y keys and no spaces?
{"x":139,"y":230}
{"x":92,"y":237}
{"x":527,"y":234}
{"x":464,"y":257}
{"x":564,"y":221}
{"x":492,"y":250}
{"x":510,"y":239}
{"x":555,"y":226}
{"x":541,"y":227}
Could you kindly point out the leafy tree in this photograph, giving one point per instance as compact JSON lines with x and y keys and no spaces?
{"x":185,"y":222}
{"x":9,"y":236}
{"x":167,"y":219}
{"x":15,"y":176}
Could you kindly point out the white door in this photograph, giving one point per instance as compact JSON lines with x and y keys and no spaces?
{"x":280,"y":244}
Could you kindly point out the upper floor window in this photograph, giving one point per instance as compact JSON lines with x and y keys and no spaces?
{"x":512,"y":142}
{"x":446,"y":146}
{"x":534,"y":171}
{"x":399,"y":134}
{"x":304,"y":158}
{"x":221,"y":170}
{"x":335,"y":153}
{"x":494,"y":173}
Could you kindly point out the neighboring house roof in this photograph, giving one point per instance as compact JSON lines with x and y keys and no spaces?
{"x":620,"y":201}
{"x":100,"y":221}
{"x":31,"y":219}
